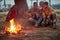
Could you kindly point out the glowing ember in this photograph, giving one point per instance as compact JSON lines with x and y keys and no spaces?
{"x":13,"y":28}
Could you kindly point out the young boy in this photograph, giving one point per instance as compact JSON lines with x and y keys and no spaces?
{"x":41,"y":4}
{"x":34,"y":14}
{"x":48,"y":12}
{"x":38,"y":23}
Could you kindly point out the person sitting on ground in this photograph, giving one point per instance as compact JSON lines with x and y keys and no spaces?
{"x":41,"y":10}
{"x":39,"y":22}
{"x":33,"y":14}
{"x":48,"y":12}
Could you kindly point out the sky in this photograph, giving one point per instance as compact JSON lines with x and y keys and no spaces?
{"x":12,"y":1}
{"x":8,"y":2}
{"x":52,"y":2}
{"x":55,"y":1}
{"x":29,"y":2}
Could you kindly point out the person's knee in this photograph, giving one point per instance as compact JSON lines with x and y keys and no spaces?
{"x":30,"y":19}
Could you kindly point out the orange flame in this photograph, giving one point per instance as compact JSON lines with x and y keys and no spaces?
{"x":13,"y":28}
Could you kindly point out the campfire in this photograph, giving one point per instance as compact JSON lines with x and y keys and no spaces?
{"x":13,"y":28}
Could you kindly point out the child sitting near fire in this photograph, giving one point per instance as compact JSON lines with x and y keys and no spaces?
{"x":33,"y":14}
{"x":48,"y":12}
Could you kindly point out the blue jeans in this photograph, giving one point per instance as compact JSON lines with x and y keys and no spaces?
{"x":39,"y":21}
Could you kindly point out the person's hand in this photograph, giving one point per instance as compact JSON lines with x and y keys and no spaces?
{"x":29,"y":15}
{"x":48,"y":16}
{"x":30,"y":19}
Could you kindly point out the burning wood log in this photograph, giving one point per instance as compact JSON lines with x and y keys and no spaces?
{"x":13,"y":28}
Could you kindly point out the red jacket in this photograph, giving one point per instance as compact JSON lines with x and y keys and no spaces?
{"x":11,"y":14}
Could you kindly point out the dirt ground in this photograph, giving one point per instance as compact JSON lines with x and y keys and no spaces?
{"x":29,"y":32}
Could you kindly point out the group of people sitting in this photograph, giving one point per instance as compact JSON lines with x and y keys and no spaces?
{"x":41,"y":14}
